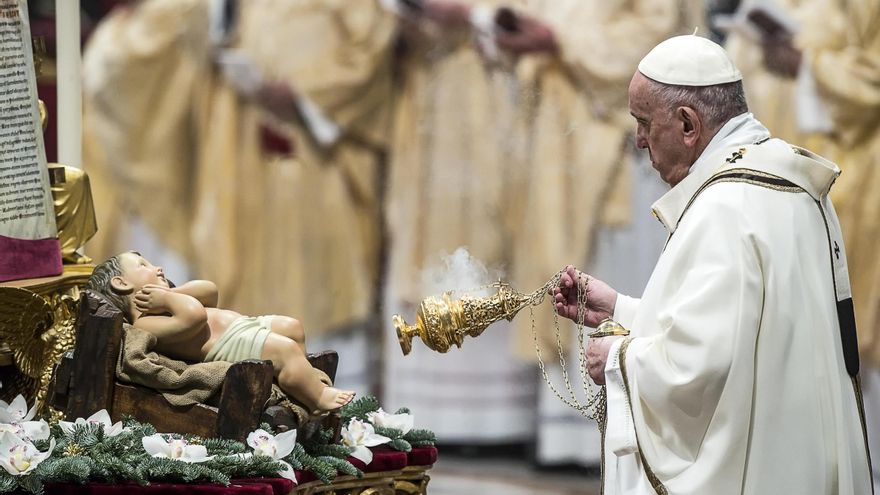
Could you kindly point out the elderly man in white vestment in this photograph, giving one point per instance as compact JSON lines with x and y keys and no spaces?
{"x":740,"y":372}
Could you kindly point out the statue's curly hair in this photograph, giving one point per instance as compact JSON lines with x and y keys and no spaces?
{"x":99,"y":283}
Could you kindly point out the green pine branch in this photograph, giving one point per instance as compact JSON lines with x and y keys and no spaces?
{"x":342,"y":466}
{"x":359,"y":408}
{"x":421,"y":438}
{"x":174,"y":471}
{"x":237,"y":466}
{"x":8,"y":483}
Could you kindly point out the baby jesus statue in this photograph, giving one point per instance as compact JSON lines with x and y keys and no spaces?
{"x":189,"y":326}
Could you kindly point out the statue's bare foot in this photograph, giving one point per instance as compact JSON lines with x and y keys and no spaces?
{"x":333,"y":398}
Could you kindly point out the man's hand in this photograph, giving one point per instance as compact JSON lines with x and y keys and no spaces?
{"x":152,"y":299}
{"x":530,"y":36}
{"x":781,"y":57}
{"x":600,"y":300}
{"x":448,"y":13}
{"x":597,"y":356}
{"x":279,"y":99}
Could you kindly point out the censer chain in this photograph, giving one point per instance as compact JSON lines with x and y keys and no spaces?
{"x":595,"y":405}
{"x":595,"y":401}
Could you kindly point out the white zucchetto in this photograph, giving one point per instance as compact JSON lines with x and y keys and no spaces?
{"x":689,"y":61}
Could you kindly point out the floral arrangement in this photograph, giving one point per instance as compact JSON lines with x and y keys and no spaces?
{"x":367,"y":425}
{"x":33,"y":453}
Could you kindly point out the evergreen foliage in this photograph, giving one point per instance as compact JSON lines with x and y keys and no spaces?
{"x":420,"y":438}
{"x":174,"y":471}
{"x":362,"y":407}
{"x":294,"y":458}
{"x":400,"y":444}
{"x":85,"y":453}
{"x":7,"y":482}
{"x":322,"y":469}
{"x":342,"y":466}
{"x":320,"y":445}
{"x":359,"y":408}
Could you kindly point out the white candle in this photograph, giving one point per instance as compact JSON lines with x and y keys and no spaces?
{"x":69,"y":63}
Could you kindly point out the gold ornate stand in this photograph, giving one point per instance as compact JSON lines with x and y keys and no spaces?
{"x":413,"y":481}
{"x":37,"y":318}
{"x":370,"y":484}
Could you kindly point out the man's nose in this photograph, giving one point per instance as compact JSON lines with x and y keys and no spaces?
{"x":641,"y":142}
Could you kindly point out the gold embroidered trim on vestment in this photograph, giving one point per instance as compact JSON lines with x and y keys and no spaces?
{"x":652,"y":478}
{"x":745,"y":180}
{"x":602,"y":420}
{"x":857,"y":388}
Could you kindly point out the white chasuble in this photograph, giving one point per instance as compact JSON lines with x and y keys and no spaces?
{"x":733,"y":380}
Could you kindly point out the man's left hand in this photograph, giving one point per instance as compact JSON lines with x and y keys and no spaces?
{"x":447,"y":13}
{"x":279,"y":99}
{"x":597,"y":356}
{"x":781,"y":57}
{"x":531,"y":36}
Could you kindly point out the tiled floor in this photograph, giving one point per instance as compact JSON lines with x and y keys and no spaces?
{"x":468,"y":476}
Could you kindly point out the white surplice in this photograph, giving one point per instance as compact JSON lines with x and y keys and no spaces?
{"x":733,"y":378}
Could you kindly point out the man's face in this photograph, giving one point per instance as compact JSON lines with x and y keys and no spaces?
{"x":138,"y":272}
{"x":660,"y":132}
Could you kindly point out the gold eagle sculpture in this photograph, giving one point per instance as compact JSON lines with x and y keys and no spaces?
{"x":26,"y":322}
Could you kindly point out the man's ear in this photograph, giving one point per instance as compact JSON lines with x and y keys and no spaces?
{"x":692,"y":126}
{"x":119,"y":284}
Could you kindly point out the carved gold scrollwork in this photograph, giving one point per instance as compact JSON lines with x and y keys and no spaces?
{"x":381,"y":483}
{"x":413,"y":481}
{"x":24,"y":317}
{"x":60,"y":338}
{"x":38,"y":323}
{"x":378,"y":490}
{"x":407,"y":488}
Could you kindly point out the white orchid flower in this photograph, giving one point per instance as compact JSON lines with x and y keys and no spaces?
{"x":27,"y":430}
{"x":16,"y":418}
{"x":17,"y":411}
{"x":177,"y":449}
{"x":402,"y":421}
{"x":14,"y":428}
{"x":19,"y":456}
{"x":35,"y":430}
{"x":101,"y":417}
{"x":361,"y":436}
{"x":275,"y":446}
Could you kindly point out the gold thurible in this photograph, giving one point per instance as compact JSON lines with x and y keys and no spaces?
{"x":443,"y":321}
